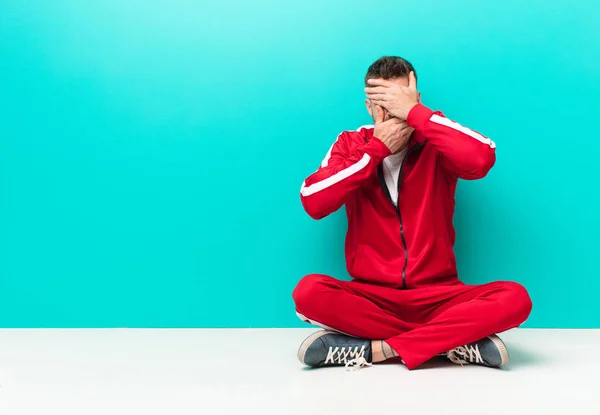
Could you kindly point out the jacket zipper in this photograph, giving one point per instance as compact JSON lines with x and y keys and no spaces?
{"x":397,"y":207}
{"x":399,"y":214}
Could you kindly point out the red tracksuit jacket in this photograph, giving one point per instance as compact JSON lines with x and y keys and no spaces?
{"x":412,"y":245}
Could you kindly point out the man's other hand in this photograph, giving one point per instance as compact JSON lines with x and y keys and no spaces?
{"x":394,"y":133}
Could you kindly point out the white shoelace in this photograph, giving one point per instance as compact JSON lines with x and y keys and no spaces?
{"x":357,"y":363}
{"x":353,"y":358}
{"x":465,"y":355}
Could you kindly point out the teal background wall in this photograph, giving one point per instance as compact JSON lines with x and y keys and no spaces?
{"x":151,"y":152}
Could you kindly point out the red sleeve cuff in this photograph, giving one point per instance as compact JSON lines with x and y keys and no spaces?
{"x":418,"y":117}
{"x":376,"y":148}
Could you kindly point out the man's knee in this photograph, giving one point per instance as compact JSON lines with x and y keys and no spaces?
{"x":517,"y":300}
{"x":309,"y":289}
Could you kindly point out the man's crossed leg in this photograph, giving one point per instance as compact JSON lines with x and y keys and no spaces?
{"x":370,"y":323}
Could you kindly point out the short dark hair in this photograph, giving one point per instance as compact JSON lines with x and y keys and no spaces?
{"x":389,"y":67}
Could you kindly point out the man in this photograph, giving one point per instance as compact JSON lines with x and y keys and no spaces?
{"x":397,"y":181}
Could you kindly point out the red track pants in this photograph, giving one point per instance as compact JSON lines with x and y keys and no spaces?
{"x":417,"y":323}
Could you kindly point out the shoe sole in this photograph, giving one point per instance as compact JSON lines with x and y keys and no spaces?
{"x":501,"y":348}
{"x":307,"y":343}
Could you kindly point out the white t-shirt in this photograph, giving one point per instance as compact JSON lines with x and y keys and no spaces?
{"x":391,"y":170}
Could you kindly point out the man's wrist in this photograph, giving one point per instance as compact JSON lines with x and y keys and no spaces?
{"x":409,"y":110}
{"x":418,"y":116}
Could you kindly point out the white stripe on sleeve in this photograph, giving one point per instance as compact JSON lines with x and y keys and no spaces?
{"x":336,"y":178}
{"x":325,"y":161}
{"x":456,"y":126}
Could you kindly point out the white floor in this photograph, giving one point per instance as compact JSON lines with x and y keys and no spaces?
{"x":256,"y":372}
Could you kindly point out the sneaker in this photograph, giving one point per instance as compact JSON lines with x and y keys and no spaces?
{"x":489,"y":351}
{"x":328,"y":348}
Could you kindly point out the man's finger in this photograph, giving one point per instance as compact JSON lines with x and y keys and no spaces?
{"x":379,"y":103}
{"x":379,"y":114}
{"x":378,"y":97}
{"x":412,"y":81}
{"x":376,"y":90}
{"x":379,"y":82}
{"x":395,"y":121}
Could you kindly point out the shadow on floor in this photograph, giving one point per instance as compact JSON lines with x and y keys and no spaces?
{"x":522,"y":357}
